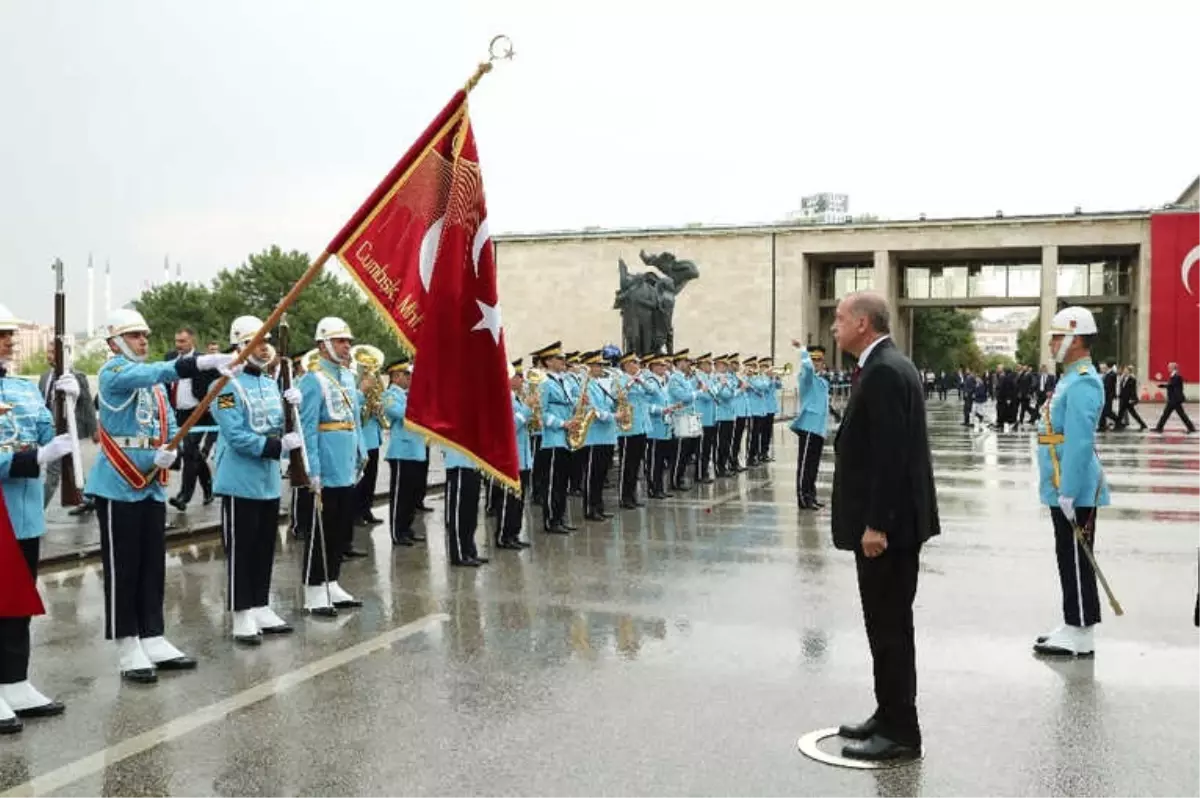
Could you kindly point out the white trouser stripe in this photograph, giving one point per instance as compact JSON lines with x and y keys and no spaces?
{"x":112,"y":576}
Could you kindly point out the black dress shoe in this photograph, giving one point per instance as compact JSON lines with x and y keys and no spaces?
{"x":878,"y":748}
{"x":405,"y":541}
{"x":482,"y":560}
{"x":557,"y":529}
{"x":140,"y":675}
{"x":569,"y":527}
{"x":248,"y":640}
{"x":639,"y":503}
{"x":348,"y":604}
{"x":628,"y":505}
{"x":281,"y":629}
{"x":861,"y":731}
{"x":208,"y":498}
{"x":177,"y":664}
{"x":354,"y":554}
{"x":423,"y":509}
{"x":44,"y":711}
{"x":465,"y":563}
{"x":11,"y":726}
{"x":522,"y":544}
{"x":323,"y":612}
{"x":504,"y":544}
{"x":417,"y":537}
{"x":178,"y":503}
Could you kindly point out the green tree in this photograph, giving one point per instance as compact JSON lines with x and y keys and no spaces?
{"x":992,"y":361}
{"x":1029,"y":343}
{"x":943,"y":339}
{"x":255,"y":288}
{"x":37,"y":363}
{"x":90,"y":363}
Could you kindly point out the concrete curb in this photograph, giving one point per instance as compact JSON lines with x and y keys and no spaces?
{"x":210,"y":529}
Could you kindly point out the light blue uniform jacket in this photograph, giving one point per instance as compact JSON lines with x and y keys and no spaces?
{"x":813,"y":417}
{"x":330,"y":397}
{"x":403,"y":444}
{"x":249,"y":411}
{"x":23,"y":428}
{"x":557,"y":409}
{"x":1067,"y":459}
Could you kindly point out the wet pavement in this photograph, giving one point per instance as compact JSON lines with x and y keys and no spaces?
{"x":72,"y":538}
{"x":678,"y":649}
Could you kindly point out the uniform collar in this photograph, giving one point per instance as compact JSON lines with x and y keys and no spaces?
{"x":1077,"y":361}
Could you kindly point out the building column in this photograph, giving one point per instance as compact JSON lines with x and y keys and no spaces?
{"x":1049,"y":302}
{"x":887,"y":282}
{"x":1139,"y":323}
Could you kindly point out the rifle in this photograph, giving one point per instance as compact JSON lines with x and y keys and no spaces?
{"x":64,"y":410}
{"x":297,"y":465}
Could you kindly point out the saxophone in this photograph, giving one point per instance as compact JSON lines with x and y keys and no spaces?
{"x":532,"y":396}
{"x":583,"y":417}
{"x":624,"y":413}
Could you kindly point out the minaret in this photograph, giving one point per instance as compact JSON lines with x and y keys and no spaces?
{"x":166,"y":269}
{"x":107,"y":290}
{"x":91,"y":297}
{"x":179,"y":272}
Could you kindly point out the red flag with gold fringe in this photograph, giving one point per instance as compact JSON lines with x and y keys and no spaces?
{"x":421,"y":249}
{"x":18,"y":591}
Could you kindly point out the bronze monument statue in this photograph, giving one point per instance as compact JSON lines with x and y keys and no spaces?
{"x":647,"y":302}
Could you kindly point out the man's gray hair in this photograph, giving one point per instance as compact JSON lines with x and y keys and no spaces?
{"x":875,"y":307}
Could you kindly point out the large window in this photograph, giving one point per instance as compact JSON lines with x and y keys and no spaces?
{"x":968,"y":280}
{"x":841,"y":279}
{"x":1085,"y":276}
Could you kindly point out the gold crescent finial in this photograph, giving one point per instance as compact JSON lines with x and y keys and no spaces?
{"x":499,"y":49}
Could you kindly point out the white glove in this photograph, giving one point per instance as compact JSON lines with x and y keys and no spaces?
{"x":290,"y":441}
{"x":164,"y":457}
{"x":56,"y":449}
{"x":213,"y":362}
{"x":68,"y":385}
{"x":230,"y":371}
{"x":293,"y":396}
{"x":1067,"y":505}
{"x":314,"y":484}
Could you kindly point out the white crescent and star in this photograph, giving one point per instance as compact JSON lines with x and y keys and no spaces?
{"x":482,"y":236}
{"x":1185,"y":268}
{"x":429,"y":250}
{"x":490,"y":320}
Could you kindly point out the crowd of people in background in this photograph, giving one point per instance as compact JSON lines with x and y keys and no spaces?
{"x":1007,"y":397}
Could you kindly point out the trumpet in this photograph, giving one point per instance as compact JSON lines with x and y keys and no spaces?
{"x":784,"y":372}
{"x":369,"y":360}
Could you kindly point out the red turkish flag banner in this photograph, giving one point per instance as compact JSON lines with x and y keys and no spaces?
{"x":421,"y":249}
{"x":18,"y":592}
{"x":1174,"y":294}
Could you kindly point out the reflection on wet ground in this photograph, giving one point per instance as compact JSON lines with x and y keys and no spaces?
{"x":677,"y":649}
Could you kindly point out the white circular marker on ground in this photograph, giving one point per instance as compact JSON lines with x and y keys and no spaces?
{"x":809,"y":746}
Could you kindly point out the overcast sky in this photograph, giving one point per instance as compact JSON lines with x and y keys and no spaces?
{"x":133,"y":129}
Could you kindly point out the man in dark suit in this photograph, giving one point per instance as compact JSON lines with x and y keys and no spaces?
{"x":1006,"y":398}
{"x":1109,"y":377}
{"x":967,"y":391}
{"x":1175,"y":400}
{"x":1043,"y":387}
{"x":185,"y":394}
{"x":1127,"y":398}
{"x":884,"y":509}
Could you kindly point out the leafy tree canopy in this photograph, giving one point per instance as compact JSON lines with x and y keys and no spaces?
{"x":943,"y":340}
{"x":254,"y":289}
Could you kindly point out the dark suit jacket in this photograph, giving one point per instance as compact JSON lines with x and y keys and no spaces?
{"x":1174,"y":386}
{"x":1128,"y":393}
{"x":883,"y":475}
{"x":1006,"y":387}
{"x":1110,"y":385}
{"x":200,"y":386}
{"x":85,"y":407}
{"x":1037,"y":381}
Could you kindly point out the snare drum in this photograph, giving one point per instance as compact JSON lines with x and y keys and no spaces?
{"x":687,"y":425}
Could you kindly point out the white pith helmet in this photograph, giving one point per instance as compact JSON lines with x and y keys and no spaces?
{"x":243,"y":329}
{"x":1068,"y":323}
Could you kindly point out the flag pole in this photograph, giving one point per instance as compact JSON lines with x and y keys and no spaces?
{"x":499,"y":49}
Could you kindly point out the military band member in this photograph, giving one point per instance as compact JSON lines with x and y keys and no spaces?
{"x":329,"y":418}
{"x":659,"y":437}
{"x":681,"y":390}
{"x":633,"y":440}
{"x":575,"y":457}
{"x":462,"y":510}
{"x":558,"y":408}
{"x":249,"y":411}
{"x":128,"y":480}
{"x":511,"y":506}
{"x":1072,"y":480}
{"x":811,"y":421}
{"x":741,"y":403}
{"x":601,"y":438}
{"x":758,"y":389}
{"x":406,"y":457}
{"x":27,"y":447}
{"x":706,"y":406}
{"x":725,"y":392}
{"x":771,"y":406}
{"x":372,"y":437}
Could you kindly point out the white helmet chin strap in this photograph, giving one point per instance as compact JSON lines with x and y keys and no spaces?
{"x":253,"y":359}
{"x":123,"y":345}
{"x":332,"y":355}
{"x":1063,"y":347}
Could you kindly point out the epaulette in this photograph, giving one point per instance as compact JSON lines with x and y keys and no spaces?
{"x":1082,"y":369}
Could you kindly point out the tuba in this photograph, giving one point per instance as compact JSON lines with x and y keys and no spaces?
{"x":368,"y":360}
{"x":584,"y":415}
{"x":532,"y":396}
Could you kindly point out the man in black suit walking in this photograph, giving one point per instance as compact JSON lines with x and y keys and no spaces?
{"x":884,"y":509}
{"x":1175,"y":400}
{"x":184,"y":395}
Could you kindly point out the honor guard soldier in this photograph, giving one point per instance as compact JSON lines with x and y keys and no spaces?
{"x":558,"y":407}
{"x":407,"y":457}
{"x":724,"y":391}
{"x":811,"y":422}
{"x":662,"y":444}
{"x":706,"y":406}
{"x":1072,"y":480}
{"x":681,"y":390}
{"x":129,"y":480}
{"x":511,"y":506}
{"x":27,"y":446}
{"x":249,"y":412}
{"x":463,"y":482}
{"x":632,"y":441}
{"x":329,"y":417}
{"x":601,"y":438}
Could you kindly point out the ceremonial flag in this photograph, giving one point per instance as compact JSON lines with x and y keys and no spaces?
{"x":18,"y":592}
{"x":420,"y":248}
